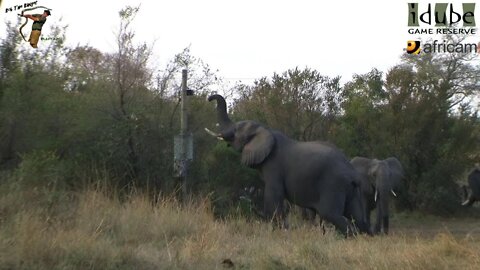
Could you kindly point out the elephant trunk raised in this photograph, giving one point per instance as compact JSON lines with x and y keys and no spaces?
{"x":224,"y":121}
{"x":222,"y":116}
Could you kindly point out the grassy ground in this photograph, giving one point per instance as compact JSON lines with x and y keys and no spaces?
{"x":41,"y":229}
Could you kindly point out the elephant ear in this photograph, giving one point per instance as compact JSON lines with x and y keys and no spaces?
{"x":395,"y":166}
{"x":397,"y":172}
{"x":258,"y":147}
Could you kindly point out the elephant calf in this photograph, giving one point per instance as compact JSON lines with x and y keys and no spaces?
{"x":474,"y":186}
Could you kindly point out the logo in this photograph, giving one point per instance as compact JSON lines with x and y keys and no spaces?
{"x":413,"y":47}
{"x":441,"y":19}
{"x":444,"y":19}
{"x":444,"y":14}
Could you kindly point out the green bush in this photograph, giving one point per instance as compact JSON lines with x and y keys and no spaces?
{"x":41,"y":169}
{"x":437,"y":194}
{"x":227,"y":178}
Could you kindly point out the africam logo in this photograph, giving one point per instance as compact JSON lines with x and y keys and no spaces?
{"x":414,"y":47}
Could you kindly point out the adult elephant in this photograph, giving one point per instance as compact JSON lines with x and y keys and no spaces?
{"x":473,"y":186}
{"x":311,"y":175}
{"x":379,"y":178}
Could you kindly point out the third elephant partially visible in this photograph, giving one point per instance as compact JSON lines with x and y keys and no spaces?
{"x":474,"y":187}
{"x":379,"y":179}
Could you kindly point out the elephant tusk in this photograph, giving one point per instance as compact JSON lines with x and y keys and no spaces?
{"x":376,"y":194}
{"x":217,"y":135}
{"x":211,"y":132}
{"x":466,"y":202}
{"x":393,"y":192}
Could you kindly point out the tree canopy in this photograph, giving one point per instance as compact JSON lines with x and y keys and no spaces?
{"x":95,"y":116}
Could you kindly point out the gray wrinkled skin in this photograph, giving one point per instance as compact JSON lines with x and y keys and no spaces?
{"x":312,"y":175}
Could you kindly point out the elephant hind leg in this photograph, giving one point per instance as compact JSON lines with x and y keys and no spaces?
{"x":274,"y":206}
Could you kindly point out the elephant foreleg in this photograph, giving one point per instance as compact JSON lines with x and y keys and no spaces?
{"x":309,"y":215}
{"x":378,"y":225}
{"x":382,"y":214}
{"x":322,"y":224}
{"x":368,"y":212}
{"x":274,"y":207}
{"x":385,"y":224}
{"x":355,"y":211}
{"x":378,"y":219}
{"x":341,"y":224}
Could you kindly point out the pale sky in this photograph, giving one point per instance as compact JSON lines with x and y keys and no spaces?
{"x":247,"y":39}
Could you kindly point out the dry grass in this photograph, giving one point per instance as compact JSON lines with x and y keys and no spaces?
{"x":93,"y":231}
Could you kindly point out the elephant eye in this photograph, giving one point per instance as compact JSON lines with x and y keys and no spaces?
{"x":228,"y":135}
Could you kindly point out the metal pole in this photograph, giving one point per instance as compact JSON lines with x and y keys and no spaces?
{"x":183,"y":133}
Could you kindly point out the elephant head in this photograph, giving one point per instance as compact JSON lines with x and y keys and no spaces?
{"x":253,"y":140}
{"x":472,"y":193}
{"x":379,"y":175}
